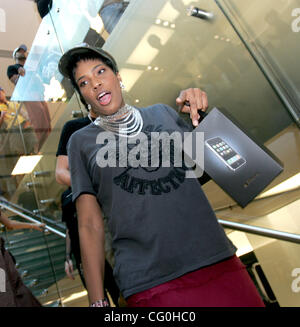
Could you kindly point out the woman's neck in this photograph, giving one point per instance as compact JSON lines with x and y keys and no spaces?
{"x":119,"y":114}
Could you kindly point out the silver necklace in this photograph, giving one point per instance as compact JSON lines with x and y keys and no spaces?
{"x":126,"y":122}
{"x":90,"y":118}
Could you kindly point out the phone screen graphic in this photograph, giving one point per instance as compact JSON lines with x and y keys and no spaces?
{"x":226,"y":153}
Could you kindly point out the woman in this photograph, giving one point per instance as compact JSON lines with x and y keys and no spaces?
{"x":169,"y":248}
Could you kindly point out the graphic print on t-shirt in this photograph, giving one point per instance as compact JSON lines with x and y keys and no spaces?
{"x":172,"y":180}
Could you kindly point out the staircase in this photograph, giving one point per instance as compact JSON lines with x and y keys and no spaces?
{"x":39,"y":258}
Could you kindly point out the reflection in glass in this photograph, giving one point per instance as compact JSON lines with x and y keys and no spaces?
{"x":271,"y":34}
{"x":196,"y":53}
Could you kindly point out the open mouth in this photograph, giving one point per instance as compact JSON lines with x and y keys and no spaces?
{"x":104,"y":98}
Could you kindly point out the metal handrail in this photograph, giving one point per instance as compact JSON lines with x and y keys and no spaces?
{"x":261,"y":231}
{"x":18,"y":207}
{"x":47,"y":228}
{"x":284,"y":236}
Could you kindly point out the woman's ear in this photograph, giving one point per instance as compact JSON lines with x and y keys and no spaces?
{"x":122,"y":86}
{"x":119,"y":77}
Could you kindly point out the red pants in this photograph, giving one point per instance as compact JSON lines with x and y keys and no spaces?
{"x":225,"y":284}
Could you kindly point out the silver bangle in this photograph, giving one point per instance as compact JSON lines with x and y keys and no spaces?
{"x":100,"y":303}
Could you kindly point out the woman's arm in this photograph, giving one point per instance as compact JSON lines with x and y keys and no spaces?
{"x":91,"y":234}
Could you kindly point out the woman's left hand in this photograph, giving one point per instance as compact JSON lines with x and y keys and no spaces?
{"x":197,"y":101}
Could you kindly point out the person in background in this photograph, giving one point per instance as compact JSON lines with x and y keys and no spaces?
{"x":11,"y":224}
{"x":37,"y":111}
{"x":111,"y":12}
{"x":15,"y":293}
{"x":10,"y":121}
{"x":43,"y":6}
{"x":16,"y":70}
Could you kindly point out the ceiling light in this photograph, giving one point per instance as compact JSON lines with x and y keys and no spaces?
{"x":168,"y":13}
{"x":287,"y":185}
{"x":26,"y":164}
{"x":144,"y":53}
{"x":96,"y":23}
{"x":53,"y":90}
{"x":240,"y":240}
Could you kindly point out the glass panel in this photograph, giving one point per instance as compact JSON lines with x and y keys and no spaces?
{"x":47,"y":102}
{"x":13,"y":143}
{"x":33,"y":250}
{"x":271,"y":33}
{"x":67,"y":24}
{"x":170,"y":51}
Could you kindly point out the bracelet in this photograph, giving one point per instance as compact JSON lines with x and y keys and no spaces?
{"x":100,"y":303}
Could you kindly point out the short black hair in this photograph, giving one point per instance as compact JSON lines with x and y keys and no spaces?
{"x":85,"y":57}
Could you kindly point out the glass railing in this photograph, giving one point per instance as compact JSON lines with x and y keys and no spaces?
{"x":269,"y":34}
{"x":160,"y":50}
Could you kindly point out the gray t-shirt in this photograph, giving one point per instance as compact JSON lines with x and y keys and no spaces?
{"x":161,"y":223}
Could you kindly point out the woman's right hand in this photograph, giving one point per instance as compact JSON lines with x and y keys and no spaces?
{"x":69,"y":268}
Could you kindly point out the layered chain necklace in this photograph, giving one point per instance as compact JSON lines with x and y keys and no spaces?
{"x":126,"y":122}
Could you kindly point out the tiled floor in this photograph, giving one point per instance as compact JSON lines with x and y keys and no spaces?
{"x":72,"y":293}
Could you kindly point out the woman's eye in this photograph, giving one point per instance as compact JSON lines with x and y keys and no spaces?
{"x":100,"y":71}
{"x":83,"y":83}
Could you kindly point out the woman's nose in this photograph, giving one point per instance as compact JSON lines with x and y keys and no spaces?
{"x":96,"y":83}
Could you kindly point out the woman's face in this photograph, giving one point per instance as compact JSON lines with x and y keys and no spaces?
{"x":99,"y":86}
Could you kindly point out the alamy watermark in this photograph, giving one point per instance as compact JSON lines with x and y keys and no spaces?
{"x":296,"y":22}
{"x":2,"y":20}
{"x":296,"y":282}
{"x":153,"y":150}
{"x":2,"y":281}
